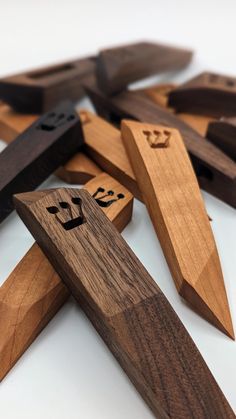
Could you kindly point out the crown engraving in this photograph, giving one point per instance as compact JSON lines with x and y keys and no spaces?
{"x":54,"y":120}
{"x":158,"y":139}
{"x":67,"y":210}
{"x":221,"y":80}
{"x":106,"y":203}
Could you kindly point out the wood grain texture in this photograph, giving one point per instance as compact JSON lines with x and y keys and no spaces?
{"x":33,"y":293}
{"x":40,"y":90}
{"x":223,"y":134}
{"x":119,"y":66}
{"x":104,"y":145}
{"x":124,"y":303}
{"x":159,"y":94}
{"x":206,"y":94}
{"x":172,"y":196}
{"x":38,"y":152}
{"x":13,"y":123}
{"x":78,"y":170}
{"x":216,"y":172}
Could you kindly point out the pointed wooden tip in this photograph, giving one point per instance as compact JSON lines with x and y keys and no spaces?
{"x":212,"y":306}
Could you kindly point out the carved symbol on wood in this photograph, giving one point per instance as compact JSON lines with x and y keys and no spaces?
{"x":215,"y":79}
{"x":65,"y":206}
{"x":106,"y":204}
{"x":158,"y":139}
{"x":54,"y":120}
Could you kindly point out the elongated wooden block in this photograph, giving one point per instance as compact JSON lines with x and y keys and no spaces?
{"x":159,"y":94}
{"x":78,"y":170}
{"x":223,"y":134}
{"x":33,"y":293}
{"x":38,"y":152}
{"x":40,"y":90}
{"x":104,"y":145}
{"x":119,"y":66}
{"x":216,"y":172}
{"x":124,"y":303}
{"x":172,"y":196}
{"x":13,"y":123}
{"x":206,"y":94}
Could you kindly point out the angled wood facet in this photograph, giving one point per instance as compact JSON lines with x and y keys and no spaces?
{"x":216,"y":172}
{"x":223,"y":134}
{"x":104,"y":145}
{"x":159,"y":95}
{"x":117,"y":67}
{"x":40,"y":90}
{"x":124,"y":303}
{"x":78,"y":170}
{"x":206,"y":94}
{"x":172,"y":196}
{"x":38,"y":152}
{"x":13,"y":123}
{"x":33,"y":293}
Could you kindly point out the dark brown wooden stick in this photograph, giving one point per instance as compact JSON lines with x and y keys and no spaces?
{"x":117,"y":67}
{"x":124,"y":303}
{"x":38,"y":152}
{"x":206,"y":94}
{"x":39,"y":90}
{"x":171,"y":193}
{"x":216,"y":172}
{"x":33,"y":293}
{"x":223,"y":134}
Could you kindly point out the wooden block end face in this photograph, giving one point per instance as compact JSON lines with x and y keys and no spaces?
{"x":154,"y":136}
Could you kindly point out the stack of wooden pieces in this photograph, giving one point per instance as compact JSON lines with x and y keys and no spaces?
{"x":170,"y":142}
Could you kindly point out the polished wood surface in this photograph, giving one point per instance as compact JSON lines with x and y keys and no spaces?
{"x":78,"y":170}
{"x":13,"y":123}
{"x":172,"y":196}
{"x":206,"y":94}
{"x":119,"y":66}
{"x":223,"y":134}
{"x":38,"y":152}
{"x":40,"y":90}
{"x":216,"y":172}
{"x":104,"y":145}
{"x":33,"y":292}
{"x":124,"y":303}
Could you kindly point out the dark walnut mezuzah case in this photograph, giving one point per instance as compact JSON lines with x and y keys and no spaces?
{"x":38,"y":152}
{"x":124,"y":304}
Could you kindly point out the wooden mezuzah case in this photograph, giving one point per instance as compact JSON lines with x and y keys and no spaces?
{"x":216,"y":172}
{"x":38,"y":152}
{"x":13,"y":123}
{"x":171,"y":193}
{"x":124,"y":303}
{"x":39,"y":90}
{"x":206,"y":94}
{"x":223,"y":134}
{"x":33,"y":293}
{"x":117,"y":67}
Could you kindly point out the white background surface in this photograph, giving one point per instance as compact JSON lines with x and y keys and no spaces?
{"x":68,"y":373}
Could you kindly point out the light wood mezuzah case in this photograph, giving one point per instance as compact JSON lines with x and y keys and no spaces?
{"x":216,"y":172}
{"x":124,"y":303}
{"x":171,"y":193}
{"x":38,"y":152}
{"x":78,"y":170}
{"x":206,"y":94}
{"x":40,"y":90}
{"x":33,"y":293}
{"x":119,"y":66}
{"x":13,"y":123}
{"x":104,"y":145}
